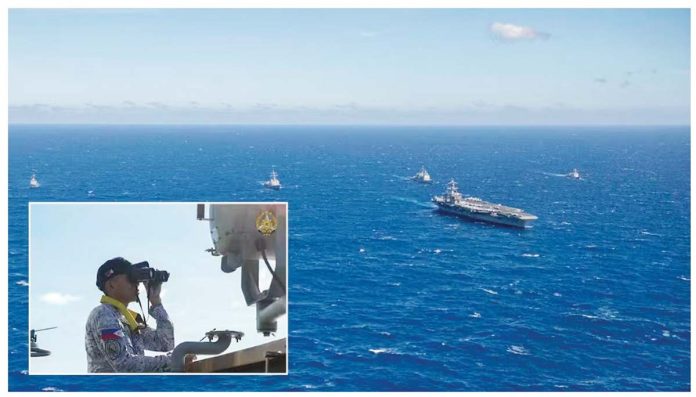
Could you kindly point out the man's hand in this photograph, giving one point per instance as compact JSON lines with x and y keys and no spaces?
{"x":154,"y":290}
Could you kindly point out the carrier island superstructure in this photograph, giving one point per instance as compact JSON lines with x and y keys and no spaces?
{"x":452,"y":202}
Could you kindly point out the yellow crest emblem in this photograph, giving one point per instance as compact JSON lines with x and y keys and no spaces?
{"x":266,"y":223}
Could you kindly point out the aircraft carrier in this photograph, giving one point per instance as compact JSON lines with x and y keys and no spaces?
{"x":452,"y":202}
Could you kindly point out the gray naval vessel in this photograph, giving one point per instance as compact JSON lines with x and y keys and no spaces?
{"x":452,"y":202}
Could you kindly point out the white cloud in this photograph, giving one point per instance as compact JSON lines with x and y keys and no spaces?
{"x":473,"y":112}
{"x":508,"y":31}
{"x":366,"y":33}
{"x":57,"y":298}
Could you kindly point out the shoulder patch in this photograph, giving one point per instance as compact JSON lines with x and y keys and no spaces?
{"x":114,"y":349}
{"x":111,"y":333}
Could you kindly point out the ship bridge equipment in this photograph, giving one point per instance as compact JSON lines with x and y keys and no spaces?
{"x":246,"y":236}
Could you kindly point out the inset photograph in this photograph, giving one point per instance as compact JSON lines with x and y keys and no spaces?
{"x":157,"y":288}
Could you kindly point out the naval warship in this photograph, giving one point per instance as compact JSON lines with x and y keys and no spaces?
{"x":452,"y":202}
{"x":273,"y":183}
{"x":422,"y":176}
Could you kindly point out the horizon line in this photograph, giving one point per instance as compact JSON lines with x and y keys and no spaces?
{"x":353,"y":124}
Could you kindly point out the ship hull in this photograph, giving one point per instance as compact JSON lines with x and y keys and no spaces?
{"x":483,"y":217}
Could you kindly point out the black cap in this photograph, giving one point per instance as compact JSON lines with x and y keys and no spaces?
{"x":111,"y":268}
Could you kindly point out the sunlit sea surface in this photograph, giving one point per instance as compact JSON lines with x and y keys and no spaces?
{"x":386,"y":293}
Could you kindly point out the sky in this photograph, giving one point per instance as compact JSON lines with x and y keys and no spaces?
{"x":350,"y":66}
{"x":68,"y":243}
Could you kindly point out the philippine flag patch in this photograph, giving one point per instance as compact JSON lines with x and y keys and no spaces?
{"x":111,"y":333}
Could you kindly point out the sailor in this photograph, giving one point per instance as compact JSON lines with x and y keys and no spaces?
{"x":116,"y":338}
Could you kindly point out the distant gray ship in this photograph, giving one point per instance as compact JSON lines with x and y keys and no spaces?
{"x":273,"y":183}
{"x":422,"y":176}
{"x":452,"y":202}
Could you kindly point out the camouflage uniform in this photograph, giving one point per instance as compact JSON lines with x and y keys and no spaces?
{"x":112,"y":347}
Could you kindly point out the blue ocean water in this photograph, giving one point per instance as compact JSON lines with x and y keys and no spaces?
{"x":385,"y":293}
